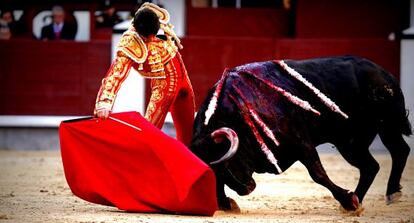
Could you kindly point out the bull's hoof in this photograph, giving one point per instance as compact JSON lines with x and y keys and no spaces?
{"x":357,"y":212}
{"x":392,"y":198}
{"x":234,"y":207}
{"x":229,"y":206}
{"x":351,"y":203}
{"x":353,"y":208}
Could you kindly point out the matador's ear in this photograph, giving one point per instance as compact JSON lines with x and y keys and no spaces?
{"x":162,"y":14}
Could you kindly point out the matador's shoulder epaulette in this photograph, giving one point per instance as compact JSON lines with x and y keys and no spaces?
{"x":133,"y":46}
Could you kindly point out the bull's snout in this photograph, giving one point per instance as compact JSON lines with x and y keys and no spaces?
{"x":251,"y":186}
{"x":242,"y":185}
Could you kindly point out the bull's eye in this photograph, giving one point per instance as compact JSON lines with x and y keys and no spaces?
{"x":218,"y":147}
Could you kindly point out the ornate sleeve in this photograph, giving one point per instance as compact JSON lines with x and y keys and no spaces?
{"x":112,"y":82}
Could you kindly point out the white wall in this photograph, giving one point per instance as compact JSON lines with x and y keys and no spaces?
{"x":84,"y":24}
{"x":131,"y":95}
{"x":407,"y":71}
{"x":407,"y":79}
{"x":176,"y":9}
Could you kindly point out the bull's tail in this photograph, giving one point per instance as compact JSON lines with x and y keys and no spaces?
{"x":406,"y":125}
{"x":395,"y":115}
{"x":390,"y":103}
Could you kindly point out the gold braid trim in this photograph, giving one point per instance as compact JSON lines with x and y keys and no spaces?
{"x":133,"y":46}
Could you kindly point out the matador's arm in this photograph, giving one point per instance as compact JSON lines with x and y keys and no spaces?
{"x":130,"y":50}
{"x":112,"y":82}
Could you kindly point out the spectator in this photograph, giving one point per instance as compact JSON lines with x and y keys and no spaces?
{"x":58,"y":29}
{"x":5,"y":33}
{"x":108,"y":18}
{"x":5,"y":20}
{"x":200,"y":3}
{"x":9,"y":27}
{"x":248,"y":3}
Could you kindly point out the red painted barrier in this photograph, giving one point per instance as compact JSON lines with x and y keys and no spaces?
{"x":51,"y":78}
{"x":349,"y":18}
{"x":383,"y":52}
{"x":62,"y":78}
{"x":206,"y":58}
{"x":252,"y":22}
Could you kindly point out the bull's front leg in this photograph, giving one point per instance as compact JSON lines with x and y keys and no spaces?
{"x":225,"y":203}
{"x":347,"y":199}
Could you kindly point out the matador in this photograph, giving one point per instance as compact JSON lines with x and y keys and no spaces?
{"x":155,"y":57}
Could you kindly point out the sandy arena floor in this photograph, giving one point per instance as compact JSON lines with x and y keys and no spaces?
{"x":33,"y":189}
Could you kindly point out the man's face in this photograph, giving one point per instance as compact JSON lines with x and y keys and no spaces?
{"x":110,"y":11}
{"x":7,"y":16}
{"x":58,"y":17}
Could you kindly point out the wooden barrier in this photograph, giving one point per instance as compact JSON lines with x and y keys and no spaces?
{"x":62,"y":78}
{"x":252,"y":22}
{"x":350,"y":18}
{"x":51,"y":78}
{"x":206,"y":58}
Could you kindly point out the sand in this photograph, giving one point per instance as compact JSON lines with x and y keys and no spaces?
{"x":33,"y":189}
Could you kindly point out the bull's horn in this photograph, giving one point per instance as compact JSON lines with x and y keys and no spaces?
{"x":231,"y":135}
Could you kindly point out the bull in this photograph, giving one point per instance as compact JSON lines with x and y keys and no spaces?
{"x":263,"y":117}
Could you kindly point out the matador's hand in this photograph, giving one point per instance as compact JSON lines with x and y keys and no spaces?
{"x":103,"y":113}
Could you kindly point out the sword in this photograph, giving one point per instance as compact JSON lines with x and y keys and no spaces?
{"x":125,"y":123}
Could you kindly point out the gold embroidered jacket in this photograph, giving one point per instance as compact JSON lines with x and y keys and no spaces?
{"x":147,"y":56}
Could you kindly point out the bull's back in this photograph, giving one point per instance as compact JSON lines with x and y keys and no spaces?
{"x":349,"y":80}
{"x":363,"y":89}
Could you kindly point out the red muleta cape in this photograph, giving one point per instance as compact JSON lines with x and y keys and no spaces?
{"x":112,"y":163}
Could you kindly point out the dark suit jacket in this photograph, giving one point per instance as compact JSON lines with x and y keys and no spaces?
{"x":68,"y":32}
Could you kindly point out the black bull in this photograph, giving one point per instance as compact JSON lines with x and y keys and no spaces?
{"x":247,"y":107}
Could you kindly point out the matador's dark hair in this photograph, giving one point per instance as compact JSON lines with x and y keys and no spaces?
{"x":146,"y":22}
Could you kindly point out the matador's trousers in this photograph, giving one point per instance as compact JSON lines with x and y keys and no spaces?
{"x":175,"y":94}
